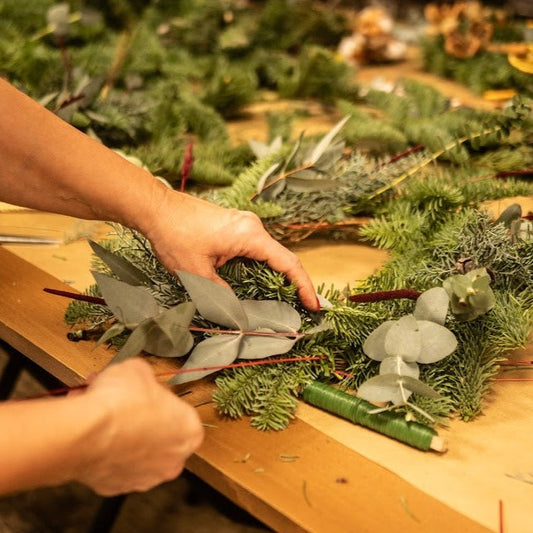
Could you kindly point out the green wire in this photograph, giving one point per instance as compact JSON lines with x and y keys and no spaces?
{"x":359,"y":411}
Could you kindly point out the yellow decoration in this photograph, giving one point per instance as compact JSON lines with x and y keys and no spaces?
{"x":523,"y":61}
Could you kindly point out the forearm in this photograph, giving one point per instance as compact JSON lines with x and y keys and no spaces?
{"x":46,"y":442}
{"x":49,"y":165}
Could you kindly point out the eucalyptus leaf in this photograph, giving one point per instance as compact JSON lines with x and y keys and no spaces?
{"x":324,"y":325}
{"x":512,"y":212}
{"x":324,"y":302}
{"x":273,"y":189}
{"x":432,"y":305}
{"x":310,"y":185}
{"x":215,"y":351}
{"x":136,"y":341}
{"x":325,"y":142}
{"x":214,"y":302}
{"x":261,"y":149}
{"x":279,"y":316}
{"x":374,"y":346}
{"x":330,"y":156}
{"x":113,"y":331}
{"x":294,"y":152}
{"x":130,"y":304}
{"x":267,"y":174}
{"x":258,"y":347}
{"x":383,"y":388}
{"x":307,"y":174}
{"x":123,"y":269}
{"x":416,"y":386}
{"x":404,"y":339}
{"x":396,"y":365}
{"x":437,"y":342}
{"x":172,"y":338}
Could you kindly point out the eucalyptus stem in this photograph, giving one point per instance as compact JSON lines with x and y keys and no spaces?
{"x":282,"y":176}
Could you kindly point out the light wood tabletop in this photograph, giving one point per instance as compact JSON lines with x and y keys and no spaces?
{"x":322,"y":474}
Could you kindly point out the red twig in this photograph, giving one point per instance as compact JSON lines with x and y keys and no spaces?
{"x":513,"y":173}
{"x":379,"y":296}
{"x":500,"y":516}
{"x":403,"y":154}
{"x":65,"y":390}
{"x":186,"y":167}
{"x":76,"y":296}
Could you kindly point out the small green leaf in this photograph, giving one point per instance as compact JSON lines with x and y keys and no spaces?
{"x":214,"y":302}
{"x":293,"y":153}
{"x":123,"y":269}
{"x":215,"y":351}
{"x":266,"y":175}
{"x":432,"y":305}
{"x":383,"y":388}
{"x":172,"y":338}
{"x":508,"y":215}
{"x":131,"y":305}
{"x":416,"y":386}
{"x":310,"y":185}
{"x":324,"y":143}
{"x":328,"y":159}
{"x":113,"y":331}
{"x":136,"y":341}
{"x":257,"y":347}
{"x":279,"y":316}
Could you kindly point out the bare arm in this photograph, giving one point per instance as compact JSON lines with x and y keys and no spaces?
{"x":125,"y":433}
{"x":48,"y":165}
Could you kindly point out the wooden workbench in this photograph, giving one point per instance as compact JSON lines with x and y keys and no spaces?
{"x":342,"y":478}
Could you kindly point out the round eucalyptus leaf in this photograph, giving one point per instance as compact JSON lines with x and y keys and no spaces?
{"x":396,"y":365}
{"x":374,"y":346}
{"x":437,"y":342}
{"x":432,"y":305}
{"x":383,"y":388}
{"x":403,"y":339}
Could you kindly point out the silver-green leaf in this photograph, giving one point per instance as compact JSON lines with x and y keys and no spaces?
{"x":123,"y":269}
{"x":214,"y":302}
{"x":432,"y":305}
{"x":279,"y":316}
{"x":130,"y":304}
{"x":324,"y":143}
{"x":258,"y":347}
{"x":212,"y":352}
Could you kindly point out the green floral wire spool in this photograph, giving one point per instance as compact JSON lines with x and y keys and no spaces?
{"x":360,"y":412}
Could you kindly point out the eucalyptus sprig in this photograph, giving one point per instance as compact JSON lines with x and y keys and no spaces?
{"x":419,"y":337}
{"x":254,"y":329}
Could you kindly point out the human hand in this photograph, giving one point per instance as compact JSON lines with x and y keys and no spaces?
{"x":190,"y":234}
{"x":146,"y":435}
